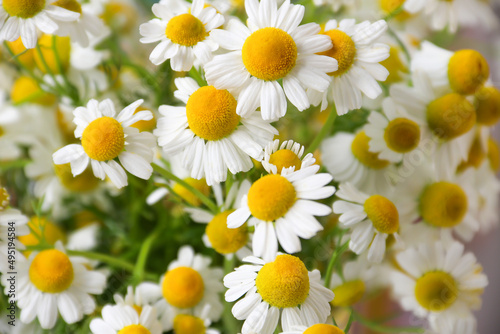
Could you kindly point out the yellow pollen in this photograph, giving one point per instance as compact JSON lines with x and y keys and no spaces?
{"x":23,"y":8}
{"x":383,"y":214}
{"x":467,"y":71}
{"x":323,"y":329}
{"x":4,"y":199}
{"x":188,"y":324}
{"x":47,"y":60}
{"x":26,"y":89}
{"x":394,"y":65}
{"x":283,"y":282}
{"x":343,"y":50}
{"x":134,"y":329}
{"x":402,"y":135}
{"x":360,"y":150}
{"x":348,"y":293}
{"x":103,"y":139}
{"x":185,"y":29}
{"x":436,"y":291}
{"x":270,"y":197}
{"x":211,"y":113}
{"x":223,"y":239}
{"x":44,"y":229}
{"x":51,"y":271}
{"x":269,"y":53}
{"x":389,"y":6}
{"x":187,"y":195}
{"x":284,"y":159}
{"x":487,"y":103}
{"x":183,"y":287}
{"x":84,"y":182}
{"x":144,"y":125}
{"x":494,"y":154}
{"x":450,"y":116}
{"x":443,"y":204}
{"x":71,"y":5}
{"x":476,"y":155}
{"x":23,"y":55}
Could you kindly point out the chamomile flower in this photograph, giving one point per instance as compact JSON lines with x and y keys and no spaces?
{"x":197,"y":323}
{"x":439,"y":282}
{"x":287,"y":156}
{"x":188,"y":286}
{"x":271,"y":49}
{"x":51,"y":282}
{"x":282,"y":209}
{"x":315,"y":329}
{"x":104,"y":137}
{"x":279,"y":288}
{"x":209,"y":134}
{"x":144,"y":294}
{"x":353,"y":285}
{"x":358,"y":57}
{"x":24,"y":18}
{"x":124,"y":319}
{"x":183,"y":32}
{"x":372,"y":219}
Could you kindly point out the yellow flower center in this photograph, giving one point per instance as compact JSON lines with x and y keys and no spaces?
{"x":26,"y":89}
{"x":323,"y":329}
{"x":144,"y":125}
{"x":44,"y":229}
{"x":223,"y":239}
{"x":269,"y":53}
{"x":270,"y":197}
{"x":183,"y":287}
{"x":487,"y":103}
{"x":284,"y":159}
{"x":137,"y":308}
{"x":467,"y":71}
{"x":389,"y":6}
{"x":23,"y":8}
{"x":187,"y":195}
{"x":402,"y":135}
{"x":283,"y":282}
{"x":450,"y":116}
{"x":476,"y":155}
{"x":383,"y":214}
{"x":71,"y":5}
{"x":51,"y":271}
{"x":436,"y":291}
{"x":360,"y":149}
{"x":185,"y":29}
{"x":4,"y":199}
{"x":211,"y":113}
{"x":84,"y":182}
{"x":188,"y":324}
{"x":443,"y":204}
{"x":23,"y":55}
{"x":103,"y":139}
{"x":394,"y":65}
{"x":134,"y":329}
{"x":47,"y":60}
{"x":494,"y":154}
{"x":348,"y":293}
{"x":343,"y":50}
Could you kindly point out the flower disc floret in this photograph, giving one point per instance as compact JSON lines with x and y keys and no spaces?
{"x":450,"y":116}
{"x":285,"y":158}
{"x":211,"y":113}
{"x":83,"y":182}
{"x":402,"y":135}
{"x":383,"y":214}
{"x":487,"y":105}
{"x":223,"y":239}
{"x":443,"y":204}
{"x":323,"y":329}
{"x":343,"y":49}
{"x":360,"y":149}
{"x":269,"y":53}
{"x":51,"y":271}
{"x":188,"y":324}
{"x":468,"y":70}
{"x":348,"y":293}
{"x":270,"y":197}
{"x":283,"y":282}
{"x":183,"y":287}
{"x":134,"y":329}
{"x":103,"y":139}
{"x":185,"y":29}
{"x":436,"y":291}
{"x":71,"y":5}
{"x":23,"y":8}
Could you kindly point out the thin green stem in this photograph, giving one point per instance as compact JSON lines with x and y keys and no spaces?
{"x":383,"y":328}
{"x":21,"y":65}
{"x":325,"y":130}
{"x":394,"y":13}
{"x":400,"y":43}
{"x":230,"y":322}
{"x":72,"y":91}
{"x":349,"y":322}
{"x":140,"y":265}
{"x":333,"y":261}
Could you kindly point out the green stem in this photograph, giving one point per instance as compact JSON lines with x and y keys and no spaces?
{"x":383,"y":328}
{"x":333,"y":261}
{"x":325,"y":130}
{"x":230,"y":322}
{"x":394,"y":13}
{"x":21,"y":65}
{"x":169,"y":176}
{"x":72,"y":91}
{"x":400,"y":43}
{"x":140,"y":265}
{"x":349,"y":322}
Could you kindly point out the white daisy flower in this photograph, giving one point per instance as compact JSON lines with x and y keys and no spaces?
{"x":314,"y":329}
{"x":106,"y":136}
{"x":24,"y":19}
{"x":440,"y":282}
{"x":358,"y":57}
{"x":287,"y":156}
{"x":197,"y":323}
{"x":188,"y":286}
{"x":50,"y":282}
{"x":372,"y":219}
{"x":281,"y":208}
{"x":209,"y":134}
{"x":272,"y":48}
{"x":146,"y":293}
{"x":280,"y":287}
{"x":183,"y":32}
{"x":124,"y":319}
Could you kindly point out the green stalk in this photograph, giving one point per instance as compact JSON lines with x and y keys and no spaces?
{"x":325,"y":130}
{"x":230,"y":323}
{"x":383,"y":328}
{"x":333,"y":261}
{"x":349,"y":322}
{"x":140,"y":265}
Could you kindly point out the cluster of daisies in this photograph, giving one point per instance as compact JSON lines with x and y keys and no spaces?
{"x":250,"y":167}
